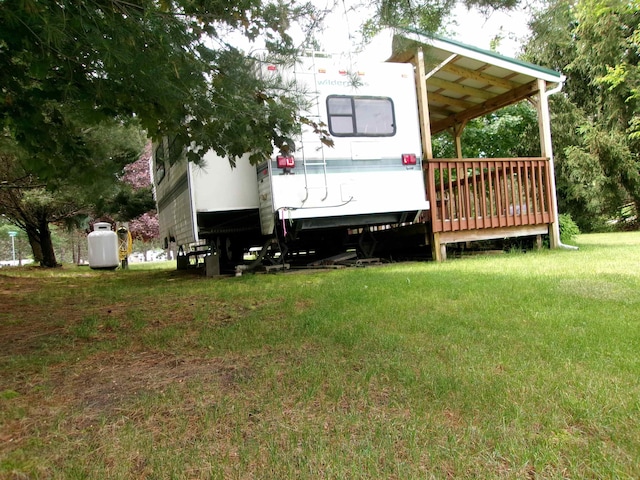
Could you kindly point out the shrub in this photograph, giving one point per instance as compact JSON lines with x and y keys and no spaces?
{"x":568,"y":228}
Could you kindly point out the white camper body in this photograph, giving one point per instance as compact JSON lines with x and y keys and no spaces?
{"x":372,"y":115}
{"x":372,"y":175}
{"x":192,"y":199}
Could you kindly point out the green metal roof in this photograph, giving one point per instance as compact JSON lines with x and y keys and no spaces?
{"x":516,"y":62}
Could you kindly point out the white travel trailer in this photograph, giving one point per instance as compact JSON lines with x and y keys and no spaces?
{"x":310,"y":198}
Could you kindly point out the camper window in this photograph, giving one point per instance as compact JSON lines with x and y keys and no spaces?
{"x":176,"y":149}
{"x":159,"y":161}
{"x":356,"y":116}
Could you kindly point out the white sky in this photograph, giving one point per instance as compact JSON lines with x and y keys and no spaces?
{"x":477,"y":30}
{"x":470,"y":27}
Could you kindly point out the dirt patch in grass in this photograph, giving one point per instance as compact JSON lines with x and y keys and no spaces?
{"x":74,"y":365}
{"x":37,"y":316}
{"x":11,"y":285}
{"x":24,"y":323}
{"x":101,"y":385}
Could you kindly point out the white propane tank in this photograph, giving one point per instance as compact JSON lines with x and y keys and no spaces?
{"x":103,"y":247}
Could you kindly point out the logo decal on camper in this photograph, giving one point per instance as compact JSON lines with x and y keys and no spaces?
{"x":341,"y":83}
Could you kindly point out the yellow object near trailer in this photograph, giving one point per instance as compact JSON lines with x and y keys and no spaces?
{"x":125,"y":246}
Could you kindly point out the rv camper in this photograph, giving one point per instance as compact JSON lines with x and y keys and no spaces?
{"x":310,"y":199}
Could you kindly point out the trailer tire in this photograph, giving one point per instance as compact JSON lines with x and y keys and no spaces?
{"x":230,"y":251}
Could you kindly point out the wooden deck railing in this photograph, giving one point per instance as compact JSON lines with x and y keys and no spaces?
{"x":474,"y":194}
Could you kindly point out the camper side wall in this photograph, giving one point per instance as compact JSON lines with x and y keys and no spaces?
{"x":200,"y":203}
{"x":173,"y":196}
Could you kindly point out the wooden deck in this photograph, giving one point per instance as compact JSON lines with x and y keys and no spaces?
{"x":478,"y":199}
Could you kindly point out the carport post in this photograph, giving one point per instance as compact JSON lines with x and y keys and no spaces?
{"x":546,"y":150}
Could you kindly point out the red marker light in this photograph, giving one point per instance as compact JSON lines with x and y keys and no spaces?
{"x":286,"y":162}
{"x":409,"y":159}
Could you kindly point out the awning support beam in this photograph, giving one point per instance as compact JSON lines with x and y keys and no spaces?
{"x":489,"y":106}
{"x":546,"y":150}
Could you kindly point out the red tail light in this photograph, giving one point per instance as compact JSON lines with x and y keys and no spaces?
{"x":409,"y":159}
{"x":286,"y":162}
{"x":272,"y":68}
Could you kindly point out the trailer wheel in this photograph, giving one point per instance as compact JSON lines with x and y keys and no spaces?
{"x":230,"y":251}
{"x":330,"y":244}
{"x":367,"y":243}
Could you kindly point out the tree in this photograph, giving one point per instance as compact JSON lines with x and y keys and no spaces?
{"x":595,"y":122}
{"x":71,"y":68}
{"x":32,"y":205}
{"x":509,"y":132}
{"x":166,"y":63}
{"x":144,"y":227}
{"x":425,"y":15}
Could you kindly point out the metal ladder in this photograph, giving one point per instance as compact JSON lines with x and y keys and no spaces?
{"x":323,"y":161}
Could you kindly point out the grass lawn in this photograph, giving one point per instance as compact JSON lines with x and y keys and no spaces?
{"x":510,"y":366}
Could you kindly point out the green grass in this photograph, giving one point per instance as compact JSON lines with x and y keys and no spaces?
{"x":511,"y":366}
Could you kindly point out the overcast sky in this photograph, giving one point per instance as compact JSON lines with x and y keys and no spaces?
{"x":470,"y":27}
{"x":477,"y":30}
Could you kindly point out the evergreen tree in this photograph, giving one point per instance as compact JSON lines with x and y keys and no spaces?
{"x":595,"y":121}
{"x":31,"y":204}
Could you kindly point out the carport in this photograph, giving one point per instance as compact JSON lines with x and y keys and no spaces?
{"x":480,"y":198}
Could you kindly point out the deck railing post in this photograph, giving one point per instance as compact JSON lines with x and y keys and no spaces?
{"x":437,"y":211}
